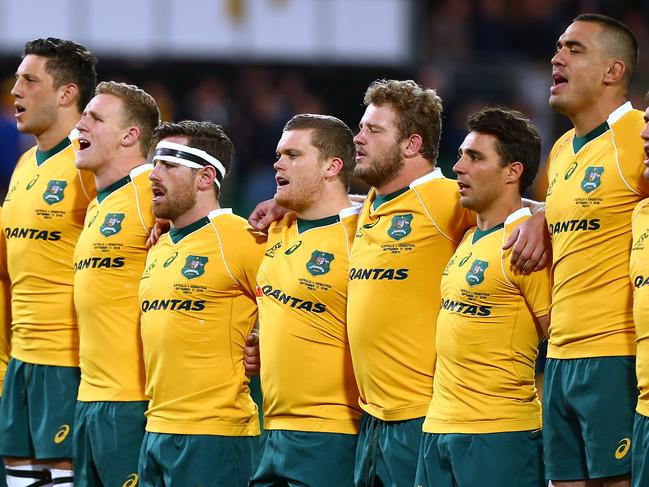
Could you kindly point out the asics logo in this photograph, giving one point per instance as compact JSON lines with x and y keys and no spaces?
{"x":623,"y":448}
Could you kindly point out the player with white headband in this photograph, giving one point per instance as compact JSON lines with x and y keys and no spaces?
{"x":188,"y":156}
{"x":197,"y":299}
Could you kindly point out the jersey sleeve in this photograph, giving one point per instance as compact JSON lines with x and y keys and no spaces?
{"x":140,"y":177}
{"x":87,"y":180}
{"x":536,"y":288}
{"x":630,"y":157}
{"x":243,"y":257}
{"x":452,"y":220}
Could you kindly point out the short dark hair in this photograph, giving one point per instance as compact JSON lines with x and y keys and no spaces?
{"x":419,"y":111}
{"x":331,"y":136}
{"x":206,"y":136}
{"x":621,"y":41}
{"x":517,"y":140}
{"x":67,"y":62}
{"x":139,"y":108}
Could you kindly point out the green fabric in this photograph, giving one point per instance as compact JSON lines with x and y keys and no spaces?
{"x":177,"y":234}
{"x":299,"y":458}
{"x":579,"y":142}
{"x":304,"y":225}
{"x":37,"y":410}
{"x":387,"y":450}
{"x":255,"y":393}
{"x":380,"y":199}
{"x":639,"y":448}
{"x":478,"y":234}
{"x":42,"y":156}
{"x":107,"y":441}
{"x":103,"y":193}
{"x":588,"y":412}
{"x":196,"y":460}
{"x":514,"y":459}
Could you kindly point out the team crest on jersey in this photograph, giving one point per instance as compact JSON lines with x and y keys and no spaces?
{"x":319,"y":263}
{"x":112,"y":224}
{"x":476,"y":273}
{"x":592,"y":178}
{"x":55,"y":191}
{"x":194,"y":266}
{"x":400,"y":226}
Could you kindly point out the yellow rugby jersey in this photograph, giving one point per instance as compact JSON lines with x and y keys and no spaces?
{"x":307,"y":378}
{"x":595,"y":182}
{"x":487,"y":339}
{"x":639,"y":271}
{"x":197,"y":297}
{"x":402,"y":245}
{"x":43,"y":216}
{"x":109,"y":260}
{"x":5,"y":311}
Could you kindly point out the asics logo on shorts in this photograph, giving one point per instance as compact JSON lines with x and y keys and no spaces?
{"x":62,"y":433}
{"x":623,"y":448}
{"x":131,"y":480}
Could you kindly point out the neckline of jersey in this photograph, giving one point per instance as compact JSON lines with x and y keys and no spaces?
{"x":102,"y":194}
{"x":380,"y":199}
{"x":304,"y":225}
{"x":42,"y":156}
{"x":177,"y":234}
{"x":478,"y":234}
{"x":579,"y":142}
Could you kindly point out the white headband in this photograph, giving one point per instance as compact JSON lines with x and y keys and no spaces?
{"x":188,"y":157}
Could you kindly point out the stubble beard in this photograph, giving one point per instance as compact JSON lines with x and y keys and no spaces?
{"x":176,"y":205}
{"x":382,"y":169}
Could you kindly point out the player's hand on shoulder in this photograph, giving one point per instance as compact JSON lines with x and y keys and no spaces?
{"x":530,"y":244}
{"x":251,"y":359}
{"x":266,"y":213}
{"x":160,"y":227}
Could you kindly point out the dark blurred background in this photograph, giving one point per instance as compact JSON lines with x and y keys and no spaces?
{"x":250,"y":65}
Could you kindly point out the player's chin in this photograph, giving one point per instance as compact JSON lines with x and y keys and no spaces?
{"x":559,"y":103}
{"x":81,"y":162}
{"x":467,"y":202}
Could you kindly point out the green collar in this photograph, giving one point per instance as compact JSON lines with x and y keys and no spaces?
{"x":478,"y":234}
{"x":304,"y":225}
{"x":579,"y":142}
{"x":177,"y":234}
{"x":380,"y":199}
{"x":42,"y":156}
{"x":102,"y":194}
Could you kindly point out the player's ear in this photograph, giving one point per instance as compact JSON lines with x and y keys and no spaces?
{"x":68,"y":94}
{"x":131,"y":137}
{"x":615,"y":72}
{"x":514,"y":171}
{"x":207,"y":177}
{"x":413,"y":146}
{"x":333,"y":166}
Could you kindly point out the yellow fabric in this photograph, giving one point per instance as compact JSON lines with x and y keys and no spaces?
{"x":42,"y":221}
{"x":5,"y":311}
{"x":197,"y":299}
{"x":590,"y":201}
{"x":109,"y":260}
{"x":307,"y":378}
{"x":487,"y":340}
{"x":639,"y":271}
{"x":399,"y":253}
